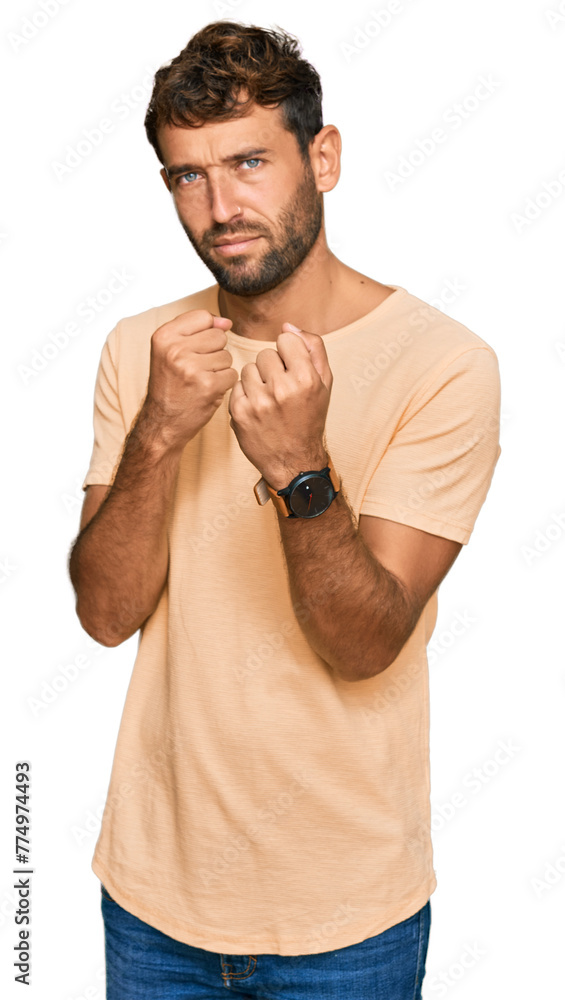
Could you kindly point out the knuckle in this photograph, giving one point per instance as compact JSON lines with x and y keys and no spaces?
{"x":201,"y":318}
{"x":172,"y":355}
{"x":281,"y":394}
{"x":263,"y":407}
{"x":159,"y":336}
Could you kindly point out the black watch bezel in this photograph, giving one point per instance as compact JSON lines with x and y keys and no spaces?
{"x":296,"y":502}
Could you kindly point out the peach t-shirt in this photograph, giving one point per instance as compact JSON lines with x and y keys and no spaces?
{"x":256,"y":803}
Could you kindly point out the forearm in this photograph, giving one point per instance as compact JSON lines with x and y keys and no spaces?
{"x":356,"y":614}
{"x":119,"y":562}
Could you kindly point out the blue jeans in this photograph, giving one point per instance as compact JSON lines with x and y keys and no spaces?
{"x":142,"y":963}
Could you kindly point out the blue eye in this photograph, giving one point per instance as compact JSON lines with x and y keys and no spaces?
{"x":194,"y":173}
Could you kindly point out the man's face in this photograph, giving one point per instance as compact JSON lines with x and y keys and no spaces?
{"x":271,"y":195}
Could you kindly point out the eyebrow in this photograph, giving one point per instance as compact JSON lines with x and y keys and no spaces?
{"x":186,"y":168}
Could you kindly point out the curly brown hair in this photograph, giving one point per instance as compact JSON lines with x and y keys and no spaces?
{"x":204,"y":81}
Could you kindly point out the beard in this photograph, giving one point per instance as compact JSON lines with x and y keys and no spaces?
{"x":298,"y":226}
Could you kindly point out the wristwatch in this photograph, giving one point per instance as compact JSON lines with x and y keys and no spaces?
{"x":309,"y":494}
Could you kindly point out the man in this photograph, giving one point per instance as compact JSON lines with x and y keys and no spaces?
{"x":280,"y":547}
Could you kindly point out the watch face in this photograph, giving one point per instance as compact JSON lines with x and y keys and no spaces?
{"x":312,"y":497}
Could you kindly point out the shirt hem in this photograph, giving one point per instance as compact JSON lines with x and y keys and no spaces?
{"x":214,"y":942}
{"x":414,"y":519}
{"x":96,"y":479}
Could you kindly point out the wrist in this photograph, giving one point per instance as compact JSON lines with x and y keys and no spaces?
{"x":152,"y":432}
{"x":279,"y":477}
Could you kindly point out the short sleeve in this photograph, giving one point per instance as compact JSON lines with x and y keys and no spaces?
{"x":438,"y":467}
{"x":109,"y":425}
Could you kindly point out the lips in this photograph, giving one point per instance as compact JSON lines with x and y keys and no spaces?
{"x":236,"y":249}
{"x":236,"y":239}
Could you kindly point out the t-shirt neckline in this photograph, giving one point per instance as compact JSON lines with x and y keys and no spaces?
{"x":383,"y":307}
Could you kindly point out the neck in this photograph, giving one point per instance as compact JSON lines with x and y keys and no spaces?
{"x":306,"y":298}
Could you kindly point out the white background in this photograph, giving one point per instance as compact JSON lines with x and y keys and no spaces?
{"x":500,"y":856}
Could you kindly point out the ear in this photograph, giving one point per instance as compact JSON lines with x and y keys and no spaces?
{"x":163,"y":173}
{"x":325,"y":156}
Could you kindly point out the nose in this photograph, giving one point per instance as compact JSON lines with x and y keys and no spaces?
{"x":223,"y":200}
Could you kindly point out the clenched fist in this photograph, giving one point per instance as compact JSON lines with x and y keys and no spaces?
{"x":190,"y":372}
